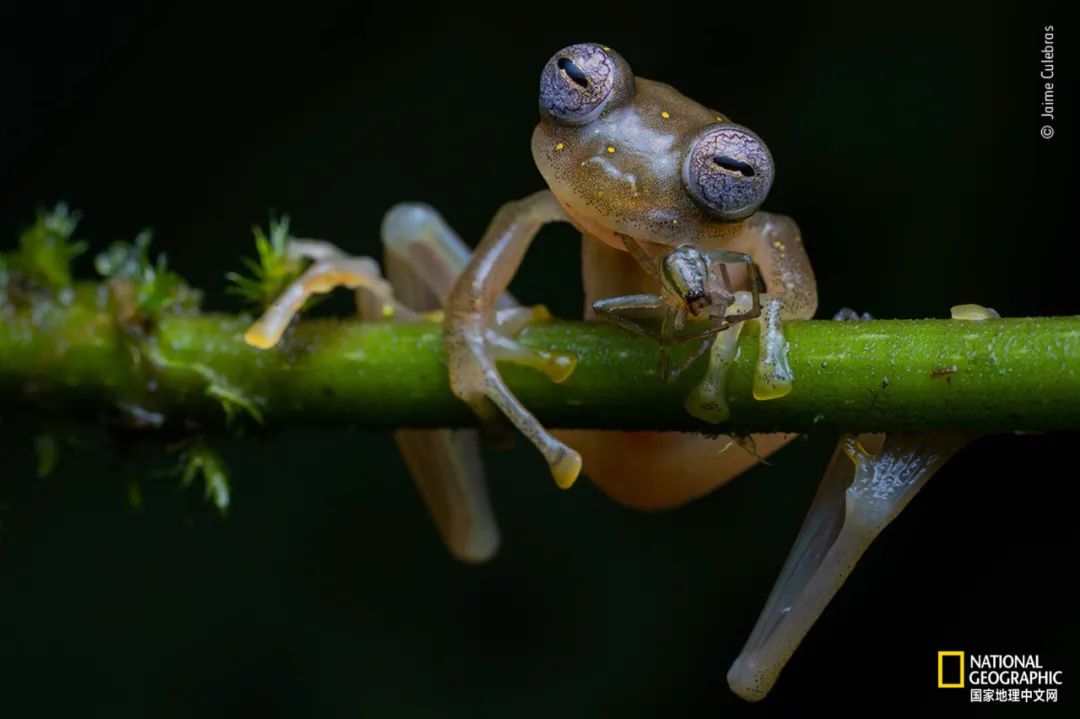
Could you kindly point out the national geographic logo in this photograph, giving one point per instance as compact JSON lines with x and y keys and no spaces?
{"x":950,"y":670}
{"x":1007,"y":678}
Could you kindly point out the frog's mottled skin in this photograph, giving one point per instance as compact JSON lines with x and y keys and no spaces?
{"x":633,"y":164}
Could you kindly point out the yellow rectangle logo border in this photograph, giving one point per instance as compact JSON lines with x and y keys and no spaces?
{"x":941,"y":670}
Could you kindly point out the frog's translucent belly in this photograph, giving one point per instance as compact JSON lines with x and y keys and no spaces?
{"x":651,"y":470}
{"x":660,"y":470}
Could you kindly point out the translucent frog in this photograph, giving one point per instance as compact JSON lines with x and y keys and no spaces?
{"x":665,"y":192}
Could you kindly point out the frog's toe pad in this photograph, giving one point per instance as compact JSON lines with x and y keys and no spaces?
{"x":973,"y":312}
{"x":566,"y":468}
{"x":259,"y":339}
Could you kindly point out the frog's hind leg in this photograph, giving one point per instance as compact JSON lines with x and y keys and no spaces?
{"x":423,"y":257}
{"x":868,"y":482}
{"x":448,"y":470}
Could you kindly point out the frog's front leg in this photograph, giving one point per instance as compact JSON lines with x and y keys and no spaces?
{"x":424,"y":258}
{"x":472,"y":349}
{"x":776,"y":245}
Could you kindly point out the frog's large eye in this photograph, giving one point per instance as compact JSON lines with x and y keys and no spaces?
{"x":579,"y":81}
{"x":729,"y":170}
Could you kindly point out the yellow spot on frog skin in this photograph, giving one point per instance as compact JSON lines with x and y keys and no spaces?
{"x":605,"y":48}
{"x":560,"y":146}
{"x":665,"y":114}
{"x":720,"y":118}
{"x":610,"y":149}
{"x":778,"y":245}
{"x":599,"y":193}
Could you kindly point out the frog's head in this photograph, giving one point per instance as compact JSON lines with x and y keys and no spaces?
{"x":630,"y":155}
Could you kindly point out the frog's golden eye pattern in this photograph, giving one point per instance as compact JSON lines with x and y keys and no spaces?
{"x":729,"y":170}
{"x":579,"y":81}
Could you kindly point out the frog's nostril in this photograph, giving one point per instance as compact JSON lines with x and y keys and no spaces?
{"x":572,"y":71}
{"x":732,"y":165}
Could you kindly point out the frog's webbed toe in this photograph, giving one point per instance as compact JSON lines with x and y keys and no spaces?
{"x":868,"y":482}
{"x":505,"y":348}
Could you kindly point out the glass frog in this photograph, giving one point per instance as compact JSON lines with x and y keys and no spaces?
{"x":665,"y":192}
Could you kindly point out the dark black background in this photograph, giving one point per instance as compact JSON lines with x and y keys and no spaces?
{"x":908,"y":149}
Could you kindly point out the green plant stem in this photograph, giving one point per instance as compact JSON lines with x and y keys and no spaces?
{"x":997,"y":375}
